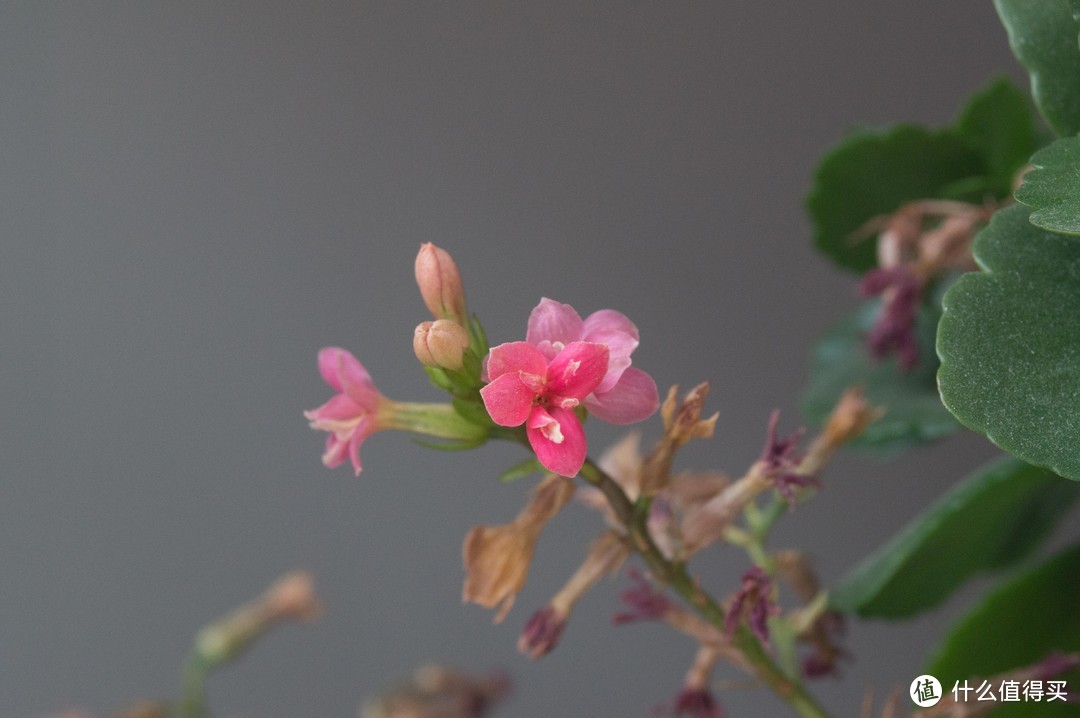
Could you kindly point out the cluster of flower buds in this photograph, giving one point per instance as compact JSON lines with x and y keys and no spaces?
{"x":537,"y":391}
{"x":565,"y":367}
{"x":918,"y":243}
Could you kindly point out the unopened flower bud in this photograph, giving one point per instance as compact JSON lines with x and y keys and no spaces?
{"x":497,"y":558}
{"x":440,"y":284}
{"x":441,"y":343}
{"x":291,"y":598}
{"x":849,"y":419}
{"x":695,"y":699}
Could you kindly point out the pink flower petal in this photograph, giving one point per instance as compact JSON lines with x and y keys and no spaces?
{"x":553,"y":325}
{"x":577,"y":370}
{"x":609,"y":320}
{"x":558,"y":439}
{"x":612,"y":328}
{"x":508,"y":400}
{"x":633,"y":399}
{"x":328,"y":366}
{"x":515,"y":357}
{"x":339,"y":408}
{"x":334,"y":452}
{"x":355,"y":440}
{"x":352,"y":379}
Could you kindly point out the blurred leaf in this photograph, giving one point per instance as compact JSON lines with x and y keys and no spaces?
{"x":1052,"y":189}
{"x":1044,"y":37}
{"x":1018,"y":625}
{"x":873,"y":173}
{"x":997,"y":123}
{"x":521,"y":470}
{"x":989,"y":520}
{"x":913,"y":411}
{"x":1009,"y":342}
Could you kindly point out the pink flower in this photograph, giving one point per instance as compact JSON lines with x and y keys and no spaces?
{"x":529,"y":388}
{"x":625,"y":395}
{"x":353,"y":414}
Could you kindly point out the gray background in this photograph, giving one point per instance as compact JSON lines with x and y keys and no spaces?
{"x":198,"y":196}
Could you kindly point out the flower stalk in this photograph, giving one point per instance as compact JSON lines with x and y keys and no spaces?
{"x":675,"y":575}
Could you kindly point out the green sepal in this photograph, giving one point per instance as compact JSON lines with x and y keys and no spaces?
{"x":988,"y":521}
{"x":439,"y":378}
{"x":478,"y":340}
{"x":459,"y":445}
{"x":473,"y":411}
{"x":470,"y":369}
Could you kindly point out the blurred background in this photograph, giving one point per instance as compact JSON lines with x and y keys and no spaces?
{"x":198,"y":196}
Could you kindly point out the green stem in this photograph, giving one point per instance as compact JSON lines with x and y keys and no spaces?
{"x":193,"y":702}
{"x":675,"y":575}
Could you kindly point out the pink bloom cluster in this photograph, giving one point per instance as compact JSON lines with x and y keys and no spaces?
{"x":352,"y":414}
{"x":563,"y":362}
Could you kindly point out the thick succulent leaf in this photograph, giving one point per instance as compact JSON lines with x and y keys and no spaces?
{"x":1052,"y":189}
{"x":997,"y":123}
{"x":873,"y":173}
{"x":1044,"y":37}
{"x":913,"y":411}
{"x":1009,"y":342}
{"x":1017,"y":625}
{"x":991,"y":519}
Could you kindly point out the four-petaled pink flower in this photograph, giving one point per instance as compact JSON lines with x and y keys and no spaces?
{"x":350,"y":416}
{"x":541,"y":392}
{"x":625,"y":395}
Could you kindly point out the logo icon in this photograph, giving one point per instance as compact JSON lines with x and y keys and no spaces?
{"x":925,"y":691}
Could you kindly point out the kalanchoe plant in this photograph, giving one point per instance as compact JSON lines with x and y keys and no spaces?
{"x":536,"y":392}
{"x":907,"y":208}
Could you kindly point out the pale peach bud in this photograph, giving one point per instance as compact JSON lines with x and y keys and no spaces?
{"x":849,"y":419}
{"x":497,"y":558}
{"x":440,"y":284}
{"x":292,"y":597}
{"x":441,"y":343}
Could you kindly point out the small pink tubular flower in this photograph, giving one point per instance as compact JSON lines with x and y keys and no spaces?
{"x":527,"y":388}
{"x":352,"y":415}
{"x":625,"y":395}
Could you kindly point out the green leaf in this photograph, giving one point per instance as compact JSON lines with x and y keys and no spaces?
{"x":1018,"y":625}
{"x":913,"y":411}
{"x":1052,"y":189}
{"x":873,"y":173}
{"x":989,"y":520}
{"x":998,"y":124}
{"x":1009,"y":342}
{"x":1044,"y":37}
{"x":521,"y":470}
